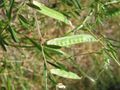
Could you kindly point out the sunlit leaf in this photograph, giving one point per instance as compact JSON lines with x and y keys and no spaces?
{"x":71,"y":40}
{"x":50,"y":12}
{"x":65,"y":74}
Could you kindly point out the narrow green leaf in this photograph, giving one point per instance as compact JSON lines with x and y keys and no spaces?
{"x":57,"y":65}
{"x":62,"y":66}
{"x":77,"y":3}
{"x":33,"y":6}
{"x":23,"y":21}
{"x":35,"y":43}
{"x":56,"y":51}
{"x":9,"y":84}
{"x":52,"y":46}
{"x":50,"y":12}
{"x":3,"y":46}
{"x":3,"y":43}
{"x":71,"y":40}
{"x":53,"y":64}
{"x":13,"y":34}
{"x":9,"y":12}
{"x":65,"y":74}
{"x":45,"y":76}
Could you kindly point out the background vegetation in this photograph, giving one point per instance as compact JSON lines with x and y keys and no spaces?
{"x":60,"y":45}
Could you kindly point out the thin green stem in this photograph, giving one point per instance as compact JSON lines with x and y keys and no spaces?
{"x":43,"y":53}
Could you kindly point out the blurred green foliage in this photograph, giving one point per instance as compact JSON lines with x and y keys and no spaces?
{"x":34,"y":40}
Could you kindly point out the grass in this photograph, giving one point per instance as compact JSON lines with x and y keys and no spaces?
{"x":29,"y":58}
